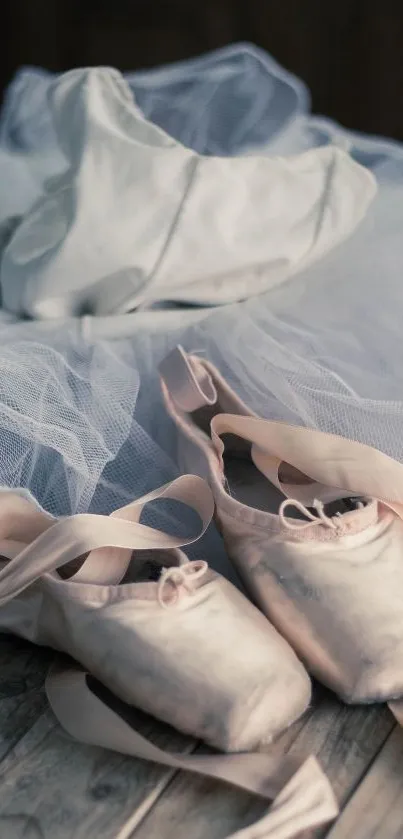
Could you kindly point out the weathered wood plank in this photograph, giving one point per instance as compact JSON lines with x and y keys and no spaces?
{"x":22,"y":699}
{"x":375,"y":811}
{"x":344,"y":739}
{"x":52,"y":787}
{"x":55,"y":788}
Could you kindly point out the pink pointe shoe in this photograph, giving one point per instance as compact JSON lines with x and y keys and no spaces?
{"x":313,"y":524}
{"x":165,"y":634}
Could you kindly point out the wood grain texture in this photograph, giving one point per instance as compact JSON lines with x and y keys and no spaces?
{"x":344,"y":739}
{"x":22,"y":699}
{"x":55,"y":788}
{"x":376,"y":809}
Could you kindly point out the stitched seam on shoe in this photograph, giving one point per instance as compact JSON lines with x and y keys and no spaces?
{"x":309,"y":535}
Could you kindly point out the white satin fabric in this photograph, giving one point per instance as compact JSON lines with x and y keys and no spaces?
{"x":137,"y":219}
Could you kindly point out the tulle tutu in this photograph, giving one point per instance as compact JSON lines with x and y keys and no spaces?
{"x":81,"y":416}
{"x":225,"y":102}
{"x":65,"y":412}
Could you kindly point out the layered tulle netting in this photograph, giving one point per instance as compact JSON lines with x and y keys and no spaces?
{"x":66,"y":411}
{"x":81,"y":418}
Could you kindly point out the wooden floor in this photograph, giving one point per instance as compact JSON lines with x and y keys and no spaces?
{"x":54,"y":788}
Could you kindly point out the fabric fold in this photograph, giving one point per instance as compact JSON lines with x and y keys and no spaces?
{"x":138,"y":219}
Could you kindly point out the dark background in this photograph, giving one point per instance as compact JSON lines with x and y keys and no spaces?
{"x":350,"y":52}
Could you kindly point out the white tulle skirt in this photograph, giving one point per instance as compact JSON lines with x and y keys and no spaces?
{"x":81,"y":419}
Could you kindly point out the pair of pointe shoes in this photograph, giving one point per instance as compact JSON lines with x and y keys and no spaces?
{"x":313,"y":524}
